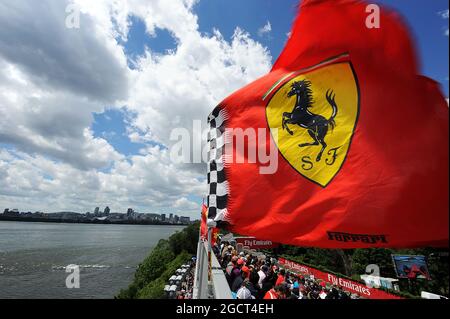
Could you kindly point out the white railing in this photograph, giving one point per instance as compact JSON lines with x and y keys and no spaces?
{"x":217,"y":287}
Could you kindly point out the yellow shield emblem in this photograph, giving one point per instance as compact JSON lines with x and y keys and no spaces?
{"x":315,"y":115}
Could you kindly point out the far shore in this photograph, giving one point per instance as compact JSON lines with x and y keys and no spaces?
{"x":78,"y":221}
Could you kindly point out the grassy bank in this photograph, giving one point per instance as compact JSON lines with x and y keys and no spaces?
{"x":154,"y":272}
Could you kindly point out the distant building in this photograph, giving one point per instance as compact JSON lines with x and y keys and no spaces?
{"x":96,"y":211}
{"x":39,"y":214}
{"x":176,"y":219}
{"x":171,"y":218}
{"x":185,"y":220}
{"x":153,"y":217}
{"x":6,"y":211}
{"x":163,"y":217}
{"x":132,"y":214}
{"x":70,"y":216}
{"x":12,"y":213}
{"x":116,"y":217}
{"x":55,"y":215}
{"x":106,"y":211}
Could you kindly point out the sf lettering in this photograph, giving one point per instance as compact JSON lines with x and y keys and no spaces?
{"x":330,"y":159}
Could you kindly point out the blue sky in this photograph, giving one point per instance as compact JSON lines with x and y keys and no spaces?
{"x":424,"y":18}
{"x":138,"y":39}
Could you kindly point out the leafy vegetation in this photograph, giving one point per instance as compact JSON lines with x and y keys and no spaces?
{"x":155,"y":289}
{"x":154,"y":272}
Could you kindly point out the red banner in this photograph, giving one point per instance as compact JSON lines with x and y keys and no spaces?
{"x":346,"y":284}
{"x":253,"y":243}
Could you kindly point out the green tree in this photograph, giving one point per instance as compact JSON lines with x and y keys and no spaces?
{"x":155,"y":288}
{"x":378,"y":256}
{"x":185,"y":240}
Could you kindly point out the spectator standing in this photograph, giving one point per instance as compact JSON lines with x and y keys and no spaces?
{"x":262,"y":275}
{"x":252,"y":285}
{"x":323,"y":294}
{"x":281,"y":278}
{"x":237,"y":283}
{"x":272,"y":293}
{"x":236,"y":271}
{"x":244,"y":292}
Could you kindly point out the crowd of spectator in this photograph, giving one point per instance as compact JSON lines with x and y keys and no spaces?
{"x":181,"y":284}
{"x":259,"y":277}
{"x":187,"y":286}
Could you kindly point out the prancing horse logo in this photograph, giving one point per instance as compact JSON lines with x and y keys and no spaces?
{"x":317,"y":125}
{"x":312,"y":115}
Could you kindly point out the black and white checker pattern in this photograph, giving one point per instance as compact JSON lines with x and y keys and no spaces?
{"x":217,"y":183}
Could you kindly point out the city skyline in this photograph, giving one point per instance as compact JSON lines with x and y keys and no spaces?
{"x":99,"y":212}
{"x":105,"y":216}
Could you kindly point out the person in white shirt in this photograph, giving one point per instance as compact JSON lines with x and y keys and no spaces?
{"x":262,"y":275}
{"x":323,"y":294}
{"x":244,"y":293}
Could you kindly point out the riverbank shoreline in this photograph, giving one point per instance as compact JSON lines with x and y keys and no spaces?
{"x":79,"y":221}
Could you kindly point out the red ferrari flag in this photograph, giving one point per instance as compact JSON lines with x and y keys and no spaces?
{"x":204,"y":226}
{"x":341,"y":145}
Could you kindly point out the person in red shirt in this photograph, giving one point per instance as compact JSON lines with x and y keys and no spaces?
{"x":281,"y":277}
{"x":246,"y":270}
{"x":273,"y":293}
{"x":278,"y":292}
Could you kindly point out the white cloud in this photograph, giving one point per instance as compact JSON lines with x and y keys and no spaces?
{"x":184,"y":203}
{"x":444,"y":14}
{"x":84,"y":61}
{"x":171,"y":90}
{"x":265,"y":30}
{"x":50,"y":121}
{"x":55,"y":78}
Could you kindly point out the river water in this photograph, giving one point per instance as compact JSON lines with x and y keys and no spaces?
{"x":34,"y":256}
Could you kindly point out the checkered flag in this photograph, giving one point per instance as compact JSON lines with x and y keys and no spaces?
{"x":216,"y":172}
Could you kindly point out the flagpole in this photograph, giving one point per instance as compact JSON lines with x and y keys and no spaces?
{"x":209,"y":253}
